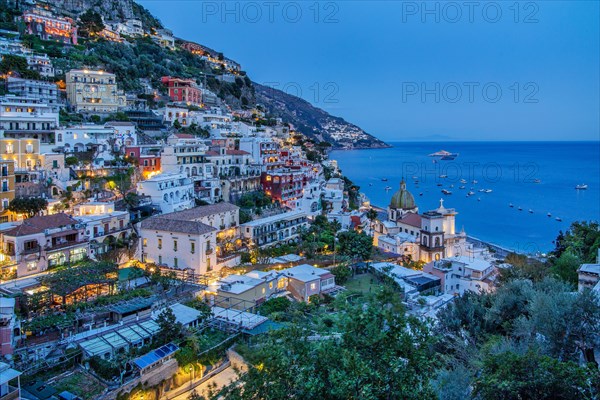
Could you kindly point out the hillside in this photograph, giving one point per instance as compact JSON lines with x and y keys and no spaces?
{"x":313,"y":121}
{"x":139,"y":61}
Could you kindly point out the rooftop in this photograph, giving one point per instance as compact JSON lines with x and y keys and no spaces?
{"x":38,"y":224}
{"x":590,"y":268}
{"x":305,"y":272}
{"x":274,"y":218}
{"x":155,"y":355}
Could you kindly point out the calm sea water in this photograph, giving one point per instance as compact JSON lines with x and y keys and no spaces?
{"x":509,"y":169}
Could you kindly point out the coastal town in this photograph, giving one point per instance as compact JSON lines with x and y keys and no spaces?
{"x":151,"y":238}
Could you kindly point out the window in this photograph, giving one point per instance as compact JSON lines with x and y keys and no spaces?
{"x":54,"y":164}
{"x":264,"y":290}
{"x":145,"y":242}
{"x":313,"y":286}
{"x":160,"y":259}
{"x":59,"y":137}
{"x":270,"y":285}
{"x":31,"y":266}
{"x":192,"y":247}
{"x":175,"y":262}
{"x":9,"y":148}
{"x":159,"y":243}
{"x":174,"y":245}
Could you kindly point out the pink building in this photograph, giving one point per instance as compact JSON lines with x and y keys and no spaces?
{"x":305,"y":280}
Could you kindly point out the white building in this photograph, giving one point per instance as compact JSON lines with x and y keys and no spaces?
{"x":188,"y":240}
{"x":97,"y":138}
{"x":589,"y":275}
{"x":169,"y":191}
{"x":463,"y":273}
{"x":23,"y":117}
{"x":41,"y":91}
{"x":103,"y":225}
{"x":279,"y":228}
{"x":131,"y":27}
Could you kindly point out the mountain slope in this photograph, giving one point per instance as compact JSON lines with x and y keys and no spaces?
{"x":314,"y":122}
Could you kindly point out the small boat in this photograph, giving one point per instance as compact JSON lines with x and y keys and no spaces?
{"x":470,"y":193}
{"x":511,"y":205}
{"x":520,"y":209}
{"x":482,"y":190}
{"x":462,"y":187}
{"x":439,"y":184}
{"x":530,"y":211}
{"x":549,"y":215}
{"x":370,"y":184}
{"x":420,"y":194}
{"x":384,"y":179}
{"x":583,"y":186}
{"x":415,"y":177}
{"x":388,"y":188}
{"x":443,"y":176}
{"x":479,"y":199}
{"x":558,"y":219}
{"x":451,"y":186}
{"x":537,"y":181}
{"x":446,"y":192}
{"x":463,"y":181}
{"x":474,"y":182}
{"x":488,"y":190}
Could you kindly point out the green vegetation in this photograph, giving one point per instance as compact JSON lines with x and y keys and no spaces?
{"x":28,"y":206}
{"x":17,"y":65}
{"x":90,"y":24}
{"x":80,"y":383}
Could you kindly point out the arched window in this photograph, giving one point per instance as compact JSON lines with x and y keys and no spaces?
{"x":437,"y":242}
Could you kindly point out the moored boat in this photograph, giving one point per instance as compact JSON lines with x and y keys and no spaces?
{"x":583,"y":186}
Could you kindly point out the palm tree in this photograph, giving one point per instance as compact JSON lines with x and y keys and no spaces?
{"x":372,"y":216}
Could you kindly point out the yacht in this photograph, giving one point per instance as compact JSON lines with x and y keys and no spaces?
{"x":388,"y":188}
{"x":511,"y":205}
{"x":558,"y":219}
{"x":488,"y":190}
{"x":446,"y":192}
{"x":439,"y":184}
{"x":443,"y":176}
{"x":470,"y":193}
{"x":384,"y":179}
{"x":474,"y":182}
{"x":549,"y":215}
{"x":583,"y":186}
{"x":462,"y":187}
{"x":463,"y":181}
{"x":530,"y":211}
{"x":444,"y":155}
{"x":537,"y":181}
{"x":520,"y":209}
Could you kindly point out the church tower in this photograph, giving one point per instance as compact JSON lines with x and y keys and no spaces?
{"x":402,"y":203}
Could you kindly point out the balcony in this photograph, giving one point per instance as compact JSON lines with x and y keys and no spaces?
{"x":209,"y":251}
{"x":31,"y":250}
{"x":63,"y":245}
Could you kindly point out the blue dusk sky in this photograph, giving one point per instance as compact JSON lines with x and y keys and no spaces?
{"x":406,"y":70}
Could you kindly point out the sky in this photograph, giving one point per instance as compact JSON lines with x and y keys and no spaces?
{"x":405,"y":70}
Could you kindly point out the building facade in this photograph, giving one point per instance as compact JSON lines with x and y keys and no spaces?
{"x":93,"y":91}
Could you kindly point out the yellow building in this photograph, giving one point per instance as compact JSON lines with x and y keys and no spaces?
{"x":24,"y":152}
{"x":7,"y":188}
{"x":93,"y":91}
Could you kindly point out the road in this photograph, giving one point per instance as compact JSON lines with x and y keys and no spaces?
{"x":221,"y":380}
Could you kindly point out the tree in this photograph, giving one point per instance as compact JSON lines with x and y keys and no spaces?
{"x":509,"y":375}
{"x":565,"y":267}
{"x":357,"y":246}
{"x":90,"y":23}
{"x":170,"y":329}
{"x":372,"y":216}
{"x":342,"y":273}
{"x":380,"y":353}
{"x":28,"y":206}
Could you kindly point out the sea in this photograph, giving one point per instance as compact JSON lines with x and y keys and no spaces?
{"x":536,"y":176}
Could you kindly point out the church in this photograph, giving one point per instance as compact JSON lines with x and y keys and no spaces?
{"x":424,"y":237}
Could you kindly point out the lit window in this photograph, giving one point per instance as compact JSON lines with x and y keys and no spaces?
{"x":313,"y":286}
{"x":160,"y":243}
{"x":193,"y":247}
{"x":145,"y":242}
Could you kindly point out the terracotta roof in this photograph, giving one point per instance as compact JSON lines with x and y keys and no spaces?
{"x":237,"y":152}
{"x":160,"y":223}
{"x":212,"y":153}
{"x":412,"y":219}
{"x":38,"y":224}
{"x":186,"y":221}
{"x":201,"y":211}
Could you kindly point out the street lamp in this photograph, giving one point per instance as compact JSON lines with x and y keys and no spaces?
{"x":191,"y":377}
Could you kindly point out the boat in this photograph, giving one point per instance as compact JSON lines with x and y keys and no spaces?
{"x":463,"y":181}
{"x":511,"y":205}
{"x":443,"y":176}
{"x":549,"y":215}
{"x":479,"y":199}
{"x":530,"y":211}
{"x":384,"y":179}
{"x":462,"y":187}
{"x":537,"y":181}
{"x":446,"y":192}
{"x":520,"y":209}
{"x":415,"y":177}
{"x":451,"y":186}
{"x":420,"y":194}
{"x":444,"y":155}
{"x":370,"y":184}
{"x":482,"y":190}
{"x":388,"y":188}
{"x":474,"y":182}
{"x":439,"y":184}
{"x":488,"y":190}
{"x":470,"y":193}
{"x":558,"y":219}
{"x":583,"y":186}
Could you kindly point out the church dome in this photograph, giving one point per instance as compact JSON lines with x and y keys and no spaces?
{"x":403,"y":199}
